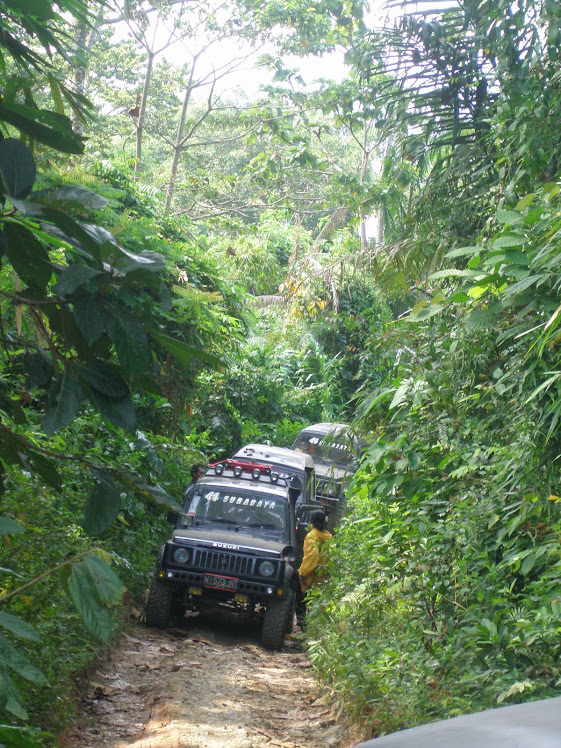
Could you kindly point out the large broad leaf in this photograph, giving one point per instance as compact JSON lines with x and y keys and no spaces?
{"x":18,"y":627}
{"x":509,"y":240}
{"x":150,"y":280}
{"x":50,"y":128}
{"x":108,"y":586}
{"x":152,"y":492}
{"x":119,"y":412}
{"x":10,"y":698}
{"x":38,"y":367}
{"x":17,"y":168}
{"x":82,"y":589}
{"x":89,"y":314}
{"x":36,"y":8}
{"x":9,"y":526}
{"x":10,"y":656}
{"x":74,"y":276}
{"x":62,"y":321}
{"x":105,"y":379}
{"x":46,"y":468}
{"x":71,"y":199}
{"x":125,"y":261}
{"x":70,"y":230}
{"x":102,"y":505}
{"x":183,"y":352}
{"x":27,"y":255}
{"x":131,"y":341}
{"x":67,"y":406}
{"x":21,"y":737}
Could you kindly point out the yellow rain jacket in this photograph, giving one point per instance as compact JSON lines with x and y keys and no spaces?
{"x":315,"y":554}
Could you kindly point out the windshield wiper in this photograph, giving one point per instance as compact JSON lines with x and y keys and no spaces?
{"x":265,"y":526}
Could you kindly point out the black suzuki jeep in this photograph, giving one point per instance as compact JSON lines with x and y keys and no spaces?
{"x":233,"y":548}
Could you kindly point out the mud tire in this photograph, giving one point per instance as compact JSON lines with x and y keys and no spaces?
{"x":276,"y":621}
{"x":158,"y":605}
{"x":291,"y":621}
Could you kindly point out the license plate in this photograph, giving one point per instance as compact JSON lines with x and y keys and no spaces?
{"x":220,"y":583}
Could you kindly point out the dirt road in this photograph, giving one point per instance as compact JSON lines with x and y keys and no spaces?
{"x":205,"y":686}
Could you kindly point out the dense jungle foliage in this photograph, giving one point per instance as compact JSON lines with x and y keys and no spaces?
{"x":194,"y":257}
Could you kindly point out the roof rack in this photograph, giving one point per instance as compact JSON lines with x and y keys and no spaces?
{"x":238,"y":468}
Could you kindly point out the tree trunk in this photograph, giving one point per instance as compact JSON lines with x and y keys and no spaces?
{"x":80,"y":37}
{"x":178,"y":147}
{"x":83,"y":42}
{"x":142,"y":112}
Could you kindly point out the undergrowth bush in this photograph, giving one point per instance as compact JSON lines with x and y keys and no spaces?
{"x":53,"y":534}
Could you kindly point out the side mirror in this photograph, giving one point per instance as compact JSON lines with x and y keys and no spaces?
{"x":295,"y":482}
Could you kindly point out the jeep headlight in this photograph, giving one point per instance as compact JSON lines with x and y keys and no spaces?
{"x":332,"y":489}
{"x":266,"y":568}
{"x":181,"y":555}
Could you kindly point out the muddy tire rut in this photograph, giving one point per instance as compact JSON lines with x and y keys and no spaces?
{"x":205,"y":685}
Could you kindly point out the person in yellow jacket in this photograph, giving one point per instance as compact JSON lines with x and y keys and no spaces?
{"x":315,"y":557}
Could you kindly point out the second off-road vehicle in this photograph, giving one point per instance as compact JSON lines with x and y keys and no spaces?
{"x":335,"y":454}
{"x":234,"y":548}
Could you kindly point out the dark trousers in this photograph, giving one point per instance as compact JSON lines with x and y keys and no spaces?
{"x":300,"y":605}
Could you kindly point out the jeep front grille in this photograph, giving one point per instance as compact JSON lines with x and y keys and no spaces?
{"x":221,"y":562}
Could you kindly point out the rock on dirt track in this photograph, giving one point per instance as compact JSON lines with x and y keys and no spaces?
{"x":204,"y":687}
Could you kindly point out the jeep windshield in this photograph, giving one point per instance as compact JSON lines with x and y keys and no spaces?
{"x":330,"y":450}
{"x":236,"y":510}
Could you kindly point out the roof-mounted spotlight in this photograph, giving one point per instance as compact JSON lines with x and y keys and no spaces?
{"x":238,"y":471}
{"x":256,"y":474}
{"x":274,"y":476}
{"x":219,"y":469}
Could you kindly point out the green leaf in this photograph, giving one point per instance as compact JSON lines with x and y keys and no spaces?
{"x":71,"y":231}
{"x":522,"y":285}
{"x":67,"y":406}
{"x":454,"y":273}
{"x":9,"y":526}
{"x":425,"y":313}
{"x":50,"y":128}
{"x":131,"y":341}
{"x":39,"y":368}
{"x":481,"y":318}
{"x":27,"y":255}
{"x":10,"y":698}
{"x":524,"y":202}
{"x":20,"y":737}
{"x":508,"y":216}
{"x":18,"y":627}
{"x":119,"y":412}
{"x":102,"y":505}
{"x":17,"y":168}
{"x":10,"y":656}
{"x":74,"y":276}
{"x":152,"y":492}
{"x":82,"y":589}
{"x":104,"y":378}
{"x":38,"y":8}
{"x":109,"y":587}
{"x":463,"y":252}
{"x":183,"y":352}
{"x":528,"y":565}
{"x":509,"y":240}
{"x":90,"y":317}
{"x":71,"y":199}
{"x":125,"y":261}
{"x":46,"y":468}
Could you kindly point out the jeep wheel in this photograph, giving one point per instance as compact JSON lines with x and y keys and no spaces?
{"x":158,"y":605}
{"x":276,"y":621}
{"x":290,"y":623}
